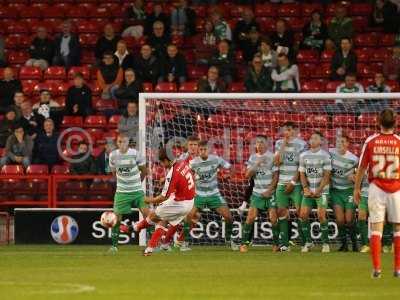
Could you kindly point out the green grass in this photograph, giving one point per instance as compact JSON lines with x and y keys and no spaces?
{"x":85,"y":272}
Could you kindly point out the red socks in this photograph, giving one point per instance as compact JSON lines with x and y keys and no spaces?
{"x":396,"y":241}
{"x":376,"y":248}
{"x":156,"y":236}
{"x":170,"y":234}
{"x":143,"y":224}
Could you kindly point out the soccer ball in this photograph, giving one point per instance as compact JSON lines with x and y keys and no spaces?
{"x":108,"y":219}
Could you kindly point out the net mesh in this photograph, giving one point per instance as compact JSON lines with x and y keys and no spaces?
{"x":232,"y":125}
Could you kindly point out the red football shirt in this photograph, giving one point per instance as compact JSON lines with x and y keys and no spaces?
{"x":381,"y":155}
{"x":179,"y":181}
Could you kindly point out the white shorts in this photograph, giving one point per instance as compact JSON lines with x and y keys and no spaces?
{"x":174,"y":211}
{"x":381,"y":203}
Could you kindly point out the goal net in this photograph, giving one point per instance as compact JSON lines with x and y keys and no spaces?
{"x":230,"y":123}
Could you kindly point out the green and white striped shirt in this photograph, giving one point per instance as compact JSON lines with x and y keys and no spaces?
{"x":127,"y":171}
{"x":263,"y":176}
{"x":313,"y":164}
{"x":364,"y":187}
{"x":342,"y":167}
{"x":206,"y":171}
{"x":290,"y":159}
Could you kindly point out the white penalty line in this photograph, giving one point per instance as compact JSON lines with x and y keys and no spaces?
{"x":58,"y":288}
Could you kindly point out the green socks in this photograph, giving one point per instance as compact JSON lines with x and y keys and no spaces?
{"x":306,"y":229}
{"x":228,"y":231}
{"x":283,"y":225}
{"x":324,"y":231}
{"x":363,"y":230}
{"x":352,"y":232}
{"x":246,"y":233}
{"x":342,"y":233}
{"x":115,"y":234}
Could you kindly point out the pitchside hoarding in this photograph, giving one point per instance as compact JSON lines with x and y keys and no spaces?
{"x":82,"y":226}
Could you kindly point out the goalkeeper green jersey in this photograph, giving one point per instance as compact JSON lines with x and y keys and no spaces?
{"x":263,"y":175}
{"x":206,"y":171}
{"x":126,"y":169}
{"x":342,"y":167}
{"x":290,"y":159}
{"x":313,"y":164}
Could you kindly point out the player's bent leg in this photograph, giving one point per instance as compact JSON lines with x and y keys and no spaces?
{"x":340,"y":221}
{"x":324,"y":228}
{"x":246,"y":230}
{"x":155,"y":238}
{"x":283,"y":225}
{"x":224,"y":212}
{"x":305,"y":227}
{"x":273,"y":218}
{"x":362,"y":224}
{"x":351,"y":227}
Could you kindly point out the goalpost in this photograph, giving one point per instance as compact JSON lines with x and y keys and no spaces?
{"x":230,"y":122}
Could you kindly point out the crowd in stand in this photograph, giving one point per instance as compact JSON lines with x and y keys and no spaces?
{"x":28,"y":131}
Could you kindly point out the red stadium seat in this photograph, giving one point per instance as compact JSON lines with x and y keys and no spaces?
{"x":363,"y":54}
{"x":394,"y":85}
{"x":37,"y":170}
{"x":8,"y":12}
{"x":343,"y":121}
{"x":96,"y":134}
{"x":195,"y":72}
{"x":101,"y":104}
{"x":332,"y":85}
{"x":360,"y":23}
{"x":87,"y":26}
{"x":76,"y":12}
{"x":265,"y":10}
{"x":365,"y":40}
{"x":289,"y":10}
{"x":364,"y":70}
{"x":95,"y":122}
{"x":17,"y":57}
{"x":308,"y":56}
{"x":12,"y":170}
{"x":321,"y":71}
{"x":53,"y":12}
{"x":312,"y":86}
{"x":188,"y":87}
{"x":99,"y":12}
{"x":361,"y":9}
{"x":386,"y":39}
{"x":166,"y":87}
{"x":31,"y":12}
{"x":51,"y":85}
{"x":367,"y":120}
{"x":113,"y":121}
{"x":31,"y":73}
{"x":147,"y":87}
{"x":12,"y":41}
{"x":72,"y":121}
{"x":17,"y":27}
{"x":88,"y":40}
{"x":55,"y":73}
{"x":60,"y":170}
{"x":308,"y":8}
{"x":28,"y":86}
{"x":237,"y":87}
{"x":326,"y":56}
{"x":267,"y":25}
{"x":84,"y":70}
{"x":317,"y":121}
{"x":88,"y":57}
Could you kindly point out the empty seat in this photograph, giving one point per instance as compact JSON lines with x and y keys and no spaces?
{"x":12,"y":170}
{"x":312,"y":86}
{"x":237,"y":87}
{"x":166,"y":87}
{"x":289,"y":10}
{"x":188,"y":87}
{"x":37,"y":170}
{"x":308,"y":56}
{"x":84,"y":70}
{"x":113,"y":121}
{"x":72,"y":121}
{"x":54,"y":73}
{"x":31,"y":73}
{"x":95,"y":122}
{"x":60,"y":170}
{"x":147,"y":87}
{"x":265,"y":10}
{"x":102,"y":105}
{"x":18,"y":57}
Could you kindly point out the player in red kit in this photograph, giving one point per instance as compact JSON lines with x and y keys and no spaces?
{"x":381,"y":157}
{"x":175,"y":201}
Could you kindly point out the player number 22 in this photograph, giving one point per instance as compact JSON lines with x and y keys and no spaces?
{"x":390,"y":162}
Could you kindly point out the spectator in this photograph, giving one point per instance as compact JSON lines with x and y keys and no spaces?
{"x":41,"y":50}
{"x":174,"y":66}
{"x":79,"y":98}
{"x":344,"y":61}
{"x":134,"y":20}
{"x":225,"y":62}
{"x":46,"y":106}
{"x":31,"y":121}
{"x":8,"y":86}
{"x":159,"y":39}
{"x":129,"y":123}
{"x":7,"y":126}
{"x":340,"y":26}
{"x":350,"y":85}
{"x":125,"y":59}
{"x":19,"y":98}
{"x":46,"y":149}
{"x":385,"y":14}
{"x":211,"y":83}
{"x":18,"y":148}
{"x":183,"y":19}
{"x":83,"y":162}
{"x":3,"y":62}
{"x":285,"y":75}
{"x":205,"y":43}
{"x":379,"y":85}
{"x":129,"y":89}
{"x":315,"y":32}
{"x":282,"y":39}
{"x":268,"y":55}
{"x":391,"y":66}
{"x":251,"y":47}
{"x":102,"y":161}
{"x":222,"y":29}
{"x":258,"y":78}
{"x":67,"y":47}
{"x":243,"y":28}
{"x":156,"y":15}
{"x":147,"y":66}
{"x":106,"y":43}
{"x":109,"y":75}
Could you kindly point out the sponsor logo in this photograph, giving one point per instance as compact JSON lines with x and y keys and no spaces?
{"x":64,"y":229}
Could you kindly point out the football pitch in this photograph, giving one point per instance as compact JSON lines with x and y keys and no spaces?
{"x":87,"y":272}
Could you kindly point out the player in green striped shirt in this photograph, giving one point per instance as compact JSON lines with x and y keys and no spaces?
{"x":130,"y":169}
{"x":315,"y":168}
{"x":261,"y":167}
{"x":288,"y":192}
{"x":341,"y":191}
{"x":206,"y":167}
